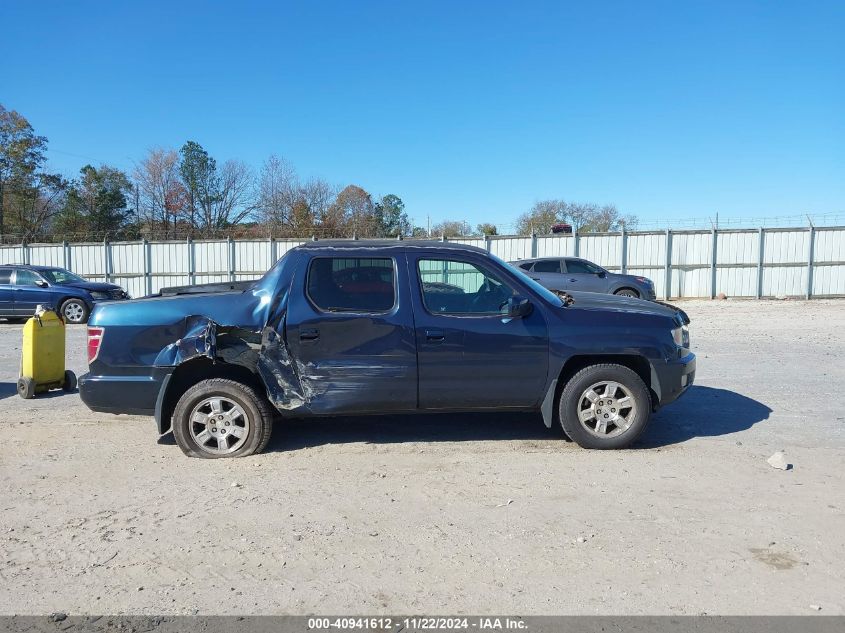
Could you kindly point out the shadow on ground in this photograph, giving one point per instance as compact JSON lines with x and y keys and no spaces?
{"x":702,"y":412}
{"x":9,"y":389}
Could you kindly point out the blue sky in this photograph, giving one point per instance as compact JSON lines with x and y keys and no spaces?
{"x":467,"y":110}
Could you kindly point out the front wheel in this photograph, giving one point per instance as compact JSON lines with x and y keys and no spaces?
{"x":627,"y":292}
{"x":605,"y":406}
{"x":74,"y":311}
{"x":222,"y":418}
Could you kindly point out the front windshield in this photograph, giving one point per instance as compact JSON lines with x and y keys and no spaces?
{"x":547,"y":294}
{"x":59,"y":276}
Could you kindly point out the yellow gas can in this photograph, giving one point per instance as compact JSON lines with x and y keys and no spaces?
{"x":43,"y":357}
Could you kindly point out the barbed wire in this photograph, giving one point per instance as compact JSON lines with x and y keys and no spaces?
{"x":503,"y":229}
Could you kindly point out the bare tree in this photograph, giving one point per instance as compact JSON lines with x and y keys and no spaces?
{"x":162,"y":197}
{"x":278,"y":191}
{"x":451,"y":228}
{"x":32,"y":208}
{"x":540,"y":217}
{"x":234,"y":199}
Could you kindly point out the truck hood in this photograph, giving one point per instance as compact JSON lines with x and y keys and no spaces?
{"x":92,"y":286}
{"x":614,"y":303}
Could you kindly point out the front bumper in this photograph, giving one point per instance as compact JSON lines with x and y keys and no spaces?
{"x":670,"y":380}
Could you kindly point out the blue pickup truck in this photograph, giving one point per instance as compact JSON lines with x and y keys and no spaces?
{"x":349,"y":327}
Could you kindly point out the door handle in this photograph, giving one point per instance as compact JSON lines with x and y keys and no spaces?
{"x":536,"y":278}
{"x":309,"y":334}
{"x":434,"y":336}
{"x":573,"y":280}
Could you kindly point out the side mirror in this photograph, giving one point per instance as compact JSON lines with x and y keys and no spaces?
{"x":42,"y":284}
{"x":519,"y":307}
{"x":602,"y":275}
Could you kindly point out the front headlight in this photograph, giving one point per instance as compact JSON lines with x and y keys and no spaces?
{"x":100,"y":296}
{"x":681,"y":337}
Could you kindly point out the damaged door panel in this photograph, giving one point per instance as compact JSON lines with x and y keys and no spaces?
{"x":352,"y":353}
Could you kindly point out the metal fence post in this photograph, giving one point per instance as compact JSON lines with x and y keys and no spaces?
{"x":231,"y":259}
{"x":713,"y":271}
{"x":667,"y":270}
{"x":488,"y":243}
{"x":25,"y":249}
{"x":148,"y":268}
{"x":760,"y":242}
{"x":274,"y":253}
{"x":66,"y":255}
{"x":107,"y":264}
{"x":623,"y":256}
{"x":192,"y":262}
{"x":533,"y":245}
{"x":577,"y":244}
{"x":810,"y":253}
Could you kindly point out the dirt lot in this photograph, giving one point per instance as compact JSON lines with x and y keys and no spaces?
{"x":457,"y":513}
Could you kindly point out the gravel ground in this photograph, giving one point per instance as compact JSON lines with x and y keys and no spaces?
{"x":450,"y":513}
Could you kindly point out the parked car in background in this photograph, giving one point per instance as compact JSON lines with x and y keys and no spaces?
{"x":24,"y":287}
{"x":562,"y":228}
{"x":574,"y":273}
{"x":348,"y":328}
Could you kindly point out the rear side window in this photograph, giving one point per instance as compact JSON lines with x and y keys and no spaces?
{"x":585,"y":268}
{"x":26,"y":277}
{"x":547,"y":266}
{"x":526,"y":265}
{"x":357,"y":284}
{"x":5,"y":275}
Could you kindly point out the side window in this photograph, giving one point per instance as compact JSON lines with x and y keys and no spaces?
{"x":451,"y":286}
{"x":352,"y":284}
{"x":526,"y":265}
{"x":5,"y":275}
{"x":26,"y":277}
{"x":575,"y":266}
{"x":547,"y":266}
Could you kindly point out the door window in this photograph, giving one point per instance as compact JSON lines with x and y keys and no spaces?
{"x":26,"y":277}
{"x":5,"y":276}
{"x":352,"y":284}
{"x":575,"y":266}
{"x":547,"y":266}
{"x":451,"y":286}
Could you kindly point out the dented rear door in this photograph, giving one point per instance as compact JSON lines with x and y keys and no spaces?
{"x":349,"y":329}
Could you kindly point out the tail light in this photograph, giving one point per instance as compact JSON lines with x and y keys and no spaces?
{"x":95,"y":339}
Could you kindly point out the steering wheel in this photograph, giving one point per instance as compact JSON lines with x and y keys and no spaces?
{"x":486,"y":295}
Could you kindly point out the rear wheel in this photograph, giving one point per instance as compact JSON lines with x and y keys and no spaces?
{"x":605,"y":406}
{"x":627,"y":292}
{"x":74,"y":311}
{"x":222,"y":418}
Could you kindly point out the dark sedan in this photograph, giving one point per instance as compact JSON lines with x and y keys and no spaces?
{"x":574,"y":273}
{"x":24,"y":287}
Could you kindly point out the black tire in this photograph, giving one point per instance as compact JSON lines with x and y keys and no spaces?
{"x":74,"y":311}
{"x":69,"y":383}
{"x":26,"y":387}
{"x":627,"y":292}
{"x":254,"y":407}
{"x":572,"y":400}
